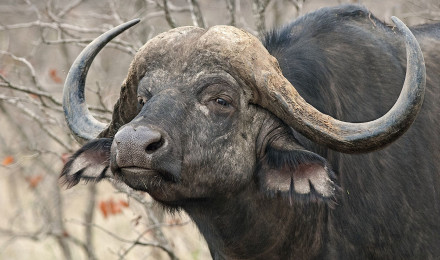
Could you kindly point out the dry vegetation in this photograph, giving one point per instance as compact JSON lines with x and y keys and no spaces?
{"x":39,"y":39}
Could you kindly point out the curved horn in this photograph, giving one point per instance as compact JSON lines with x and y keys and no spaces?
{"x":81,"y":123}
{"x":284,"y":101}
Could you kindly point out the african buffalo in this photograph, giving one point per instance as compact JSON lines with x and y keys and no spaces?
{"x":241,"y":134}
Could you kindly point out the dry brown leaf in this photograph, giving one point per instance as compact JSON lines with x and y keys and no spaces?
{"x":8,"y":160}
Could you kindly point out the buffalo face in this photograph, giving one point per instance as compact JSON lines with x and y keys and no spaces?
{"x":196,"y":138}
{"x":190,"y":134}
{"x":214,"y":117}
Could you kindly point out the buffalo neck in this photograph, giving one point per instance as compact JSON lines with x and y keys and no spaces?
{"x":251,"y":225}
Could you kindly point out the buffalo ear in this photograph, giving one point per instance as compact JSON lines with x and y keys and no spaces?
{"x":297,"y":175}
{"x":90,"y":163}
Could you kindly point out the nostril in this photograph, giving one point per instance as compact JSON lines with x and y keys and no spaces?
{"x":137,"y":140}
{"x":151,"y":148}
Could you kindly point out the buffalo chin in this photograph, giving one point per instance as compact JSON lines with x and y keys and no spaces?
{"x":160,"y":185}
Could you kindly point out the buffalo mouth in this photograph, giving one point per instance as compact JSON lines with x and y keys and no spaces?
{"x":145,"y":179}
{"x":137,"y":172}
{"x":162,"y":186}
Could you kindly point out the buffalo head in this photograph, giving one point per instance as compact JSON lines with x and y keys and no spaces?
{"x":207,"y":113}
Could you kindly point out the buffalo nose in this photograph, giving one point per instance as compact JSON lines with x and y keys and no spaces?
{"x":153,"y":142}
{"x":134,"y":142}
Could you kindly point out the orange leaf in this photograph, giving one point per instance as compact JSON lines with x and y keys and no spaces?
{"x":33,"y":96}
{"x":123,"y":203}
{"x":110,"y":207}
{"x":34,"y":180}
{"x":8,"y":160}
{"x":54,"y":76}
{"x":103,"y":208}
{"x":115,"y":208}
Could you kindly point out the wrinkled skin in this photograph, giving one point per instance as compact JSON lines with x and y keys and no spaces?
{"x":194,"y":140}
{"x":177,"y":104}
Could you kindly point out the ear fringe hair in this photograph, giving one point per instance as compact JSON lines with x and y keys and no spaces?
{"x":68,"y":179}
{"x":292,"y":159}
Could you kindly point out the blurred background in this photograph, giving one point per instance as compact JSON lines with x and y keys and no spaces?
{"x":39,"y":40}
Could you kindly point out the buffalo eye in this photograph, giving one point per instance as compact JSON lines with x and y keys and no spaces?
{"x":220,"y":99}
{"x":222,"y":102}
{"x":142,"y":100}
{"x":222,"y":106}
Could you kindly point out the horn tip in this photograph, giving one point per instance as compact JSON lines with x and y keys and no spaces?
{"x":134,"y":21}
{"x":397,"y":22}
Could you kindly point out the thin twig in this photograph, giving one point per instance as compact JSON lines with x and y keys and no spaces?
{"x":99,"y":95}
{"x":42,"y":123}
{"x":136,"y":241}
{"x":88,"y":218}
{"x":259,"y":9}
{"x":116,"y":44}
{"x":27,"y":64}
{"x":168,"y":17}
{"x":35,"y":236}
{"x":196,"y":14}
{"x":171,"y":7}
{"x":230,"y":5}
{"x":53,"y":25}
{"x":69,"y":7}
{"x":8,"y":84}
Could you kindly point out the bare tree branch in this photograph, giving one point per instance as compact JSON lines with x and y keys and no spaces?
{"x":230,"y":6}
{"x":196,"y":14}
{"x":116,"y":44}
{"x":69,"y":7}
{"x":259,"y":9}
{"x":53,"y":26}
{"x":168,"y":17}
{"x":88,"y":218}
{"x":170,"y":7}
{"x":298,"y":4}
{"x":6,"y":83}
{"x":115,"y":14}
{"x":136,"y":241}
{"x":147,"y":207}
{"x":27,"y":64}
{"x":41,"y":122}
